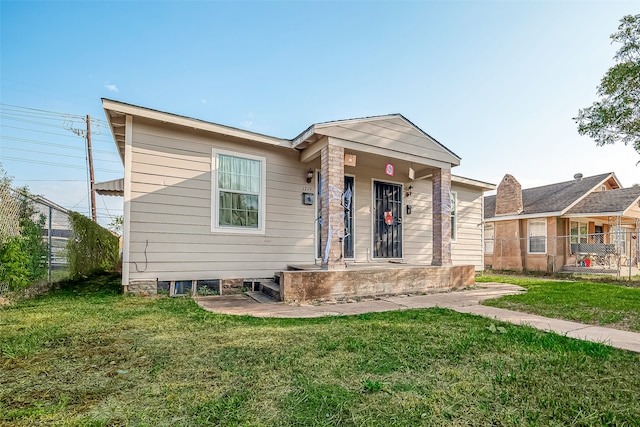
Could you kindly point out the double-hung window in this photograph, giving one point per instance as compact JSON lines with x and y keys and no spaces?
{"x":537,"y":236}
{"x":238,"y":192}
{"x":488,"y":238}
{"x":578,"y":234}
{"x":620,"y":240}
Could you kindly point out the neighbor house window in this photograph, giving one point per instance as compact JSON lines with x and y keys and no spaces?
{"x":488,"y":238}
{"x":620,"y":239}
{"x":578,"y":231}
{"x":537,"y":236}
{"x":454,"y":215}
{"x":238,"y":192}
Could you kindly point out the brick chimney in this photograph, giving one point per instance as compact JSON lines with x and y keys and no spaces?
{"x":509,"y":196}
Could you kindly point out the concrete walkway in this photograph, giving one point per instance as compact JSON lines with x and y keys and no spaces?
{"x":462,"y":301}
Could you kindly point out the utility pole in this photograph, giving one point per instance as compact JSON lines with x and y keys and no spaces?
{"x":90,"y":157}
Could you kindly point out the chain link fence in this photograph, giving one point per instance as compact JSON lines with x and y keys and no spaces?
{"x":55,"y":229}
{"x":9,"y":212}
{"x":615,"y":253}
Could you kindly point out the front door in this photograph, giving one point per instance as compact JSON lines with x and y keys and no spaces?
{"x":387,"y":220}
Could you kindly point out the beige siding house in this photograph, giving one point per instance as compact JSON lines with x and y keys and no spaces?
{"x":208,"y":203}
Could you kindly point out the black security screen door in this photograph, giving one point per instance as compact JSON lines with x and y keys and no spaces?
{"x":387,"y":220}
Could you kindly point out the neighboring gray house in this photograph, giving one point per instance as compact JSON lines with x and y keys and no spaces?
{"x":207,"y":202}
{"x":568,"y":223}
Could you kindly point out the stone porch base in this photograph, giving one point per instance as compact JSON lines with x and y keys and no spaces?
{"x":299,"y":286}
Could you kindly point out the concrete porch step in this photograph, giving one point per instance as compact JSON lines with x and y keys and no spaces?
{"x":271,"y":289}
{"x":260,"y":296}
{"x":594,"y":269}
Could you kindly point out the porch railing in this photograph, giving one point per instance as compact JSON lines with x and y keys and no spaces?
{"x":615,"y":253}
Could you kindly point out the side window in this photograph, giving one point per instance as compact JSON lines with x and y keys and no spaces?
{"x":238,"y":192}
{"x":488,"y":238}
{"x":537,"y":236}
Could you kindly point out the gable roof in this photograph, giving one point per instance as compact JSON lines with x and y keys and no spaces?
{"x":392,"y":133}
{"x":610,"y":203}
{"x":388,"y":135}
{"x":554,"y":199}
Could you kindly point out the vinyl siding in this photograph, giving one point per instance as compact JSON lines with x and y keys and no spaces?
{"x":467,"y":248}
{"x":170,"y":222}
{"x":418,"y":227}
{"x":170,"y":209}
{"x":393,"y":134}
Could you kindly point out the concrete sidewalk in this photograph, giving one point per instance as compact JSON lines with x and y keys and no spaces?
{"x":462,"y":301}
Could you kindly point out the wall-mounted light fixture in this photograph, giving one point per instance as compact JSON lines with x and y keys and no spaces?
{"x":309,"y":176}
{"x":409,"y":191}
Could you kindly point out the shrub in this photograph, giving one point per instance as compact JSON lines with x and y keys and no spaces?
{"x":23,"y":252}
{"x":92,"y":247}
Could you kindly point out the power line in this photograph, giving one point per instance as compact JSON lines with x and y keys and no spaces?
{"x":67,"y":121}
{"x":36,"y":110}
{"x":35,"y":123}
{"x":65,"y":165}
{"x":54,"y":154}
{"x":49,"y":180}
{"x":51,"y":144}
{"x":65,"y":135}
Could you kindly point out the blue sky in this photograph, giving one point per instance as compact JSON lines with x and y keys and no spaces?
{"x":496,"y":82}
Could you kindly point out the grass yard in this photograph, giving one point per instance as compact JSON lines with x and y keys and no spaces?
{"x":602,"y":304}
{"x":87,"y":356}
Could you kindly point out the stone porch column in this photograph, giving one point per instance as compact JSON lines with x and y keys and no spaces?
{"x":332,"y":173}
{"x":441,"y":217}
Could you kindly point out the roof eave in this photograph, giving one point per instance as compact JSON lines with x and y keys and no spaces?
{"x":590,"y":214}
{"x":485,"y":186}
{"x":522,"y":216}
{"x":148,"y":113}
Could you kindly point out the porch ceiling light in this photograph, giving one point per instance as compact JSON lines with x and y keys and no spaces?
{"x":309,"y":175}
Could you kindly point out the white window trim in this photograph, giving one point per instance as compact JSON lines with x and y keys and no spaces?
{"x":215,"y":194}
{"x":529,"y":222}
{"x":619,"y":235}
{"x":454,"y":219}
{"x":579,"y":236}
{"x":493,"y":238}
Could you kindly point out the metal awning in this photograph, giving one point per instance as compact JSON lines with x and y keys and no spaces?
{"x":114,"y":187}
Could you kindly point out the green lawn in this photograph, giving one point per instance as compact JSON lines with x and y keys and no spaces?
{"x":602,"y":304}
{"x":87,"y":357}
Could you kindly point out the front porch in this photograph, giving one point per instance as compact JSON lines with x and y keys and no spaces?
{"x":304,"y":283}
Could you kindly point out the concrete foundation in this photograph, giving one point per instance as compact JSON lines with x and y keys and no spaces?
{"x":231,"y":286}
{"x":142,"y":287}
{"x":299,"y":286}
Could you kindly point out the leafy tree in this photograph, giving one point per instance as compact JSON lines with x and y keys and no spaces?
{"x":616,"y":116}
{"x":33,"y":245}
{"x":117,"y":224}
